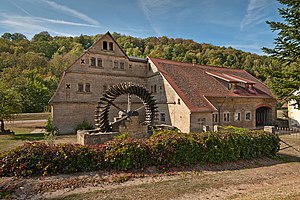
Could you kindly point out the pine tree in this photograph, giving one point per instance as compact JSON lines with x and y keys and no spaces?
{"x":286,"y":82}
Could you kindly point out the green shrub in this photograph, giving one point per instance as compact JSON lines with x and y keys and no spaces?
{"x":165,"y":148}
{"x":124,"y":154}
{"x":171,"y":148}
{"x":84,"y":125}
{"x":43,"y":159}
{"x":123,"y":136}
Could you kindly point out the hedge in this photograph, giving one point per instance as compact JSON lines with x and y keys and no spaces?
{"x":165,"y":148}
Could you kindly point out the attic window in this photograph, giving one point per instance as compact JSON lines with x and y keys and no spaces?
{"x":104,"y":45}
{"x":80,"y":87}
{"x":178,"y":101}
{"x":115,"y":64}
{"x":87,"y":87}
{"x":93,"y":61}
{"x":122,"y":66}
{"x":111,"y":46}
{"x":99,"y":62}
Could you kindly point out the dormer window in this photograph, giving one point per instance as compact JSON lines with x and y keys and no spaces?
{"x":111,"y":46}
{"x":104,"y":45}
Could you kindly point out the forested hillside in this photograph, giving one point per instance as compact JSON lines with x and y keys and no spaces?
{"x":32,"y":68}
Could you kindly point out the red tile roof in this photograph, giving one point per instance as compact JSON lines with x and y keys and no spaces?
{"x":195,"y":83}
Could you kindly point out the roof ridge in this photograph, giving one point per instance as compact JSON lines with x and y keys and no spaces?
{"x":197,"y":65}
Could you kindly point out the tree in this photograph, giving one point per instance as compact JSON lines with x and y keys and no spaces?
{"x":287,"y":50}
{"x":10,"y":103}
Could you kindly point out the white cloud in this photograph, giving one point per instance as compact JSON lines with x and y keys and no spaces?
{"x":154,"y":8}
{"x":71,"y":12}
{"x":256,"y":13}
{"x":28,"y":25}
{"x":55,"y":21}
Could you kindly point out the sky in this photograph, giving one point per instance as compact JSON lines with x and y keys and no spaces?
{"x":240,"y":24}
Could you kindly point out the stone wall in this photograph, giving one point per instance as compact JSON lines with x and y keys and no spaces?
{"x":134,"y":128}
{"x":86,"y":138}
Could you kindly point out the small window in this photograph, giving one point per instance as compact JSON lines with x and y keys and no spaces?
{"x":104,"y":87}
{"x":99,"y":62}
{"x":151,"y":89}
{"x":178,"y":101}
{"x":226,"y":116}
{"x":111,"y":46}
{"x":115,"y":64}
{"x":215,"y":117}
{"x":80,"y":87}
{"x":248,"y":116}
{"x":154,"y":88}
{"x":160,"y":87}
{"x":162,"y":117}
{"x":87,"y":87}
{"x":237,"y":116}
{"x":93,"y":61}
{"x":122,"y":66}
{"x":104,"y":45}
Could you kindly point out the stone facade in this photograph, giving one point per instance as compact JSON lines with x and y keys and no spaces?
{"x":105,"y":64}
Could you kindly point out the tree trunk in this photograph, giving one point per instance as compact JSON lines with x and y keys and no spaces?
{"x":2,"y":130}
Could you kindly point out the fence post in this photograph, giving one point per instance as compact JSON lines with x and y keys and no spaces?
{"x":269,"y":129}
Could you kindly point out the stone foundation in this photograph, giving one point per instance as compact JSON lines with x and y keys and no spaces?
{"x":86,"y":138}
{"x":134,"y":128}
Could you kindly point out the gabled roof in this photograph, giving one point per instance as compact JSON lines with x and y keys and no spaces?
{"x":196,"y":83}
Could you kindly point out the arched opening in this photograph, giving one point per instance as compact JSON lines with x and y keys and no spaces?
{"x":263,"y":116}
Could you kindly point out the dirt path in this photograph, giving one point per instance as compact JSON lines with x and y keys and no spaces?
{"x":257,"y":179}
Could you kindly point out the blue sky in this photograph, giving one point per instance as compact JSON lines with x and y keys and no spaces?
{"x":237,"y":23}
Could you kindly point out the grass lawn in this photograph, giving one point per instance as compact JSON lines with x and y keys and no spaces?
{"x":23,"y":134}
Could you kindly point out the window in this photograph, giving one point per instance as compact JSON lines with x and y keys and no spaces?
{"x":104,"y":45}
{"x":151,"y":89}
{"x":87,"y":87}
{"x":99,"y":62}
{"x":237,"y":116}
{"x":215,"y":117}
{"x":104,"y":87}
{"x":80,"y":87}
{"x":178,"y":101}
{"x":122,"y":66}
{"x":226,"y":117}
{"x":248,"y":116}
{"x":149,"y":66}
{"x":111,"y":46}
{"x":115,"y":64}
{"x":93,"y":61}
{"x":154,"y":89}
{"x":162,"y":117}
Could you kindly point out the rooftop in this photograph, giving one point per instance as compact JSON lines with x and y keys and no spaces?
{"x":196,"y":83}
